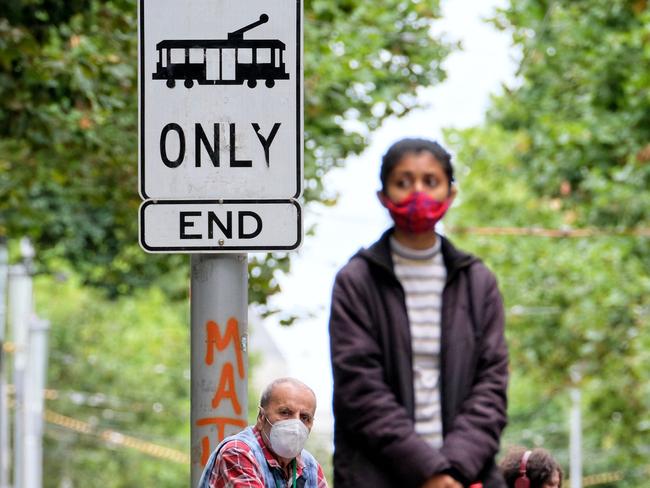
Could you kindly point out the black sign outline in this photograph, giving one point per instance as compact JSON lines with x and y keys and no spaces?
{"x":298,"y":94}
{"x":190,"y":249}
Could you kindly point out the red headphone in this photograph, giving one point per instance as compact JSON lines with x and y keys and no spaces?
{"x":523,"y":481}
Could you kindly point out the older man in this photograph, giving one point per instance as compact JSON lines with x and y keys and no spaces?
{"x":270,"y":454}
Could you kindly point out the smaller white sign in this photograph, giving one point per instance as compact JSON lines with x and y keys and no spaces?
{"x":220,"y":226}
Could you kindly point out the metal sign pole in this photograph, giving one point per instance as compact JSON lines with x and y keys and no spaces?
{"x":35,"y":381}
{"x":220,"y":166}
{"x":575,"y":427}
{"x":20,"y":308}
{"x":219,"y":352}
{"x":4,"y":405}
{"x":575,"y":439}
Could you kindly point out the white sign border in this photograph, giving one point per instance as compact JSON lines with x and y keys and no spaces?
{"x":299,"y":102}
{"x":216,"y":248}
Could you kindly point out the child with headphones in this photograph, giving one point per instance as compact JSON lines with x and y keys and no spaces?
{"x":524,"y":468}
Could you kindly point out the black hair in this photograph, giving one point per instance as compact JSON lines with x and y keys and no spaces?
{"x":402,"y":147}
{"x":539,"y":468}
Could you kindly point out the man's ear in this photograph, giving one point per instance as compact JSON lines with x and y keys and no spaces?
{"x":381,"y":196}
{"x":260,"y":417}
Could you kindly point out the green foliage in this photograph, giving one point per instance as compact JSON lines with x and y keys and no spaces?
{"x":68,"y":180}
{"x":584,"y":105}
{"x":363,"y":63}
{"x":68,"y":124}
{"x":67,"y":145}
{"x":120,"y":366}
{"x":568,"y":148}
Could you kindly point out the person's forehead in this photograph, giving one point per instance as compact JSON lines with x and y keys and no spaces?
{"x":423,"y":160}
{"x":288,"y":394}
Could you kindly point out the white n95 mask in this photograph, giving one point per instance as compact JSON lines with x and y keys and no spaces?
{"x":287,"y":437}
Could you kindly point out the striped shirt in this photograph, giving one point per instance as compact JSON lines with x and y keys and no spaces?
{"x":422,"y":274}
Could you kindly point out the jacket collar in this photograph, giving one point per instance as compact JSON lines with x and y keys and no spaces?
{"x":380,"y":255}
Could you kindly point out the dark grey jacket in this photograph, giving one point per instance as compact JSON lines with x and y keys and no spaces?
{"x":375,"y":442}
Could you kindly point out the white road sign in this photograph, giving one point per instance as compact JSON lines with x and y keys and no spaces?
{"x":220,"y":226}
{"x":220,"y":99}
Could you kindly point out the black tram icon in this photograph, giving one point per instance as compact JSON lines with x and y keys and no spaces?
{"x":230,"y":61}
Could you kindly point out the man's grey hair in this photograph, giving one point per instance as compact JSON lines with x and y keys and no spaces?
{"x":268,"y":391}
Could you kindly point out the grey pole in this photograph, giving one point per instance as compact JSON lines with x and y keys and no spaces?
{"x":4,"y":407}
{"x":575,"y":429}
{"x":35,"y":380}
{"x":219,"y":352}
{"x":575,"y":440}
{"x":20,"y":309}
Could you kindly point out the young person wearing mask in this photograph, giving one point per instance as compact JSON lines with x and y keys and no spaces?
{"x":418,"y":353}
{"x":270,"y":454}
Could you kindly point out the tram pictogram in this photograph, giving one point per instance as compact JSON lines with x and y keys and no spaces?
{"x":230,"y":61}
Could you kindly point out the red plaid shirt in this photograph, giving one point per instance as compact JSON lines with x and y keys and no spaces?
{"x":236,"y":467}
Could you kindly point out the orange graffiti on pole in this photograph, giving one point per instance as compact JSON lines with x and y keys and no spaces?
{"x":221,"y":423}
{"x":221,"y":342}
{"x":226,"y":388}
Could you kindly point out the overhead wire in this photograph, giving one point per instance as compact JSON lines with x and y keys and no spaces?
{"x":545,"y":232}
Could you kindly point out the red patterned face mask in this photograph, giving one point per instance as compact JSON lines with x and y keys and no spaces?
{"x":417,"y":213}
